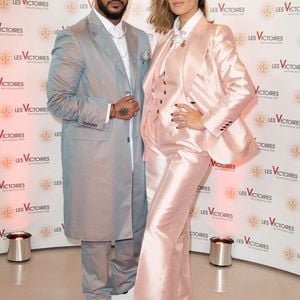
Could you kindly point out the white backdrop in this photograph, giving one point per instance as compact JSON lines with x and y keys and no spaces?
{"x":257,"y":204}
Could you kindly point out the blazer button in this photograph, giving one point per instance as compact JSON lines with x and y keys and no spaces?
{"x":157,"y":111}
{"x":128,"y":139}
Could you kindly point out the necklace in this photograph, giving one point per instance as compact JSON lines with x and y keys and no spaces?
{"x":115,"y":33}
{"x":119,"y":39}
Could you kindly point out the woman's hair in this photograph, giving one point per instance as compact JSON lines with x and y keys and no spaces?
{"x":161,"y":16}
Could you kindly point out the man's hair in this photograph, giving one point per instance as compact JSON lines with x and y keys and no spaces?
{"x":161,"y":16}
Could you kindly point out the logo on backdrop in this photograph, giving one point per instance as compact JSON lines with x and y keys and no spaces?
{"x":5,"y":58}
{"x":297,"y":96}
{"x":260,"y":120}
{"x":33,"y":160}
{"x":240,"y":38}
{"x":266,"y":93}
{"x":71,"y":7}
{"x":29,"y":4}
{"x":6,"y":162}
{"x":48,"y":135}
{"x":87,"y":4}
{"x":286,"y":65}
{"x":293,"y":204}
{"x":32,"y":110}
{"x":253,"y":244}
{"x":46,"y":33}
{"x":266,"y":38}
{"x":6,"y":136}
{"x":277,"y":119}
{"x":46,"y":231}
{"x":6,"y":84}
{"x":10,"y":30}
{"x":288,"y":7}
{"x":283,"y":121}
{"x":6,"y":112}
{"x":278,"y":225}
{"x":194,"y":212}
{"x":203,"y":189}
{"x":2,"y":233}
{"x":4,"y":4}
{"x":226,"y":10}
{"x":217,"y":214}
{"x":282,"y":64}
{"x":43,"y":85}
{"x":275,"y":171}
{"x":223,"y":167}
{"x":199,"y":235}
{"x":256,"y":171}
{"x":263,"y":67}
{"x":254,"y":221}
{"x":231,"y":193}
{"x":60,"y":29}
{"x":7,"y":213}
{"x":295,"y":151}
{"x":30,"y":57}
{"x":137,"y":9}
{"x":290,"y":254}
{"x":48,"y":184}
{"x":268,"y":11}
{"x":251,"y":193}
{"x":33,"y":209}
{"x":11,"y":186}
{"x":265,"y":146}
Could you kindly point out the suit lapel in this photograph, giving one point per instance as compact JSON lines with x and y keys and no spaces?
{"x":159,"y":50}
{"x":195,"y":54}
{"x":196,"y":50}
{"x":132,"y":45}
{"x":105,"y":41}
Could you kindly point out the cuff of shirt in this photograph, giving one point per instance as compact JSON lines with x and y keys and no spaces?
{"x":107,"y":113}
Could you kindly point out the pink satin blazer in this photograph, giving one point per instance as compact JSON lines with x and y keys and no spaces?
{"x":212,"y":79}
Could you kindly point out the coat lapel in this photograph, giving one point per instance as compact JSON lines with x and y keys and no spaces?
{"x":196,"y":50}
{"x":105,"y":41}
{"x":159,"y":50}
{"x":133,"y":56}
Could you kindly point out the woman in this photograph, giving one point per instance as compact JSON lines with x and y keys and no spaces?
{"x":195,"y":92}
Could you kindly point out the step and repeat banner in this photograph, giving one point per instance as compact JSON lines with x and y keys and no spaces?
{"x":257,"y":204}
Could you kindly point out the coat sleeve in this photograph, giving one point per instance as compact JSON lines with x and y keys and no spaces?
{"x":65,"y":74}
{"x":238,"y":87}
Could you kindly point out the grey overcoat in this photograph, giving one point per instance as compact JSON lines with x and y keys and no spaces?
{"x":103,"y":199}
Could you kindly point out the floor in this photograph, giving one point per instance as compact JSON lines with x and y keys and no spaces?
{"x":55,"y":274}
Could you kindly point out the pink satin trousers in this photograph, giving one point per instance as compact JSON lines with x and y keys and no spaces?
{"x":172,"y":180}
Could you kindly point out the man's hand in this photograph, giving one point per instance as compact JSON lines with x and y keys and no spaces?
{"x":125,"y":108}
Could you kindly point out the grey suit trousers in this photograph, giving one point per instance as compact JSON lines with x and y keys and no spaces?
{"x":107,"y":272}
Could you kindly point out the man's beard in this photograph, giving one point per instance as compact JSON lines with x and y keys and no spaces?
{"x":111,"y":15}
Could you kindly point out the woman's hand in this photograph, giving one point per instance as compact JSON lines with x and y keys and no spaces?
{"x":187,"y":117}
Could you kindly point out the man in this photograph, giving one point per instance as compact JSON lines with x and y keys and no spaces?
{"x":95,"y":87}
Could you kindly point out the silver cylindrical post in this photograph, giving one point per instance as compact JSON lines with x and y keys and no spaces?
{"x":19,"y":248}
{"x":220,"y":251}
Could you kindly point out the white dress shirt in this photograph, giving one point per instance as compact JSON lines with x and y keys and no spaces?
{"x":179,"y":36}
{"x":118,"y":36}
